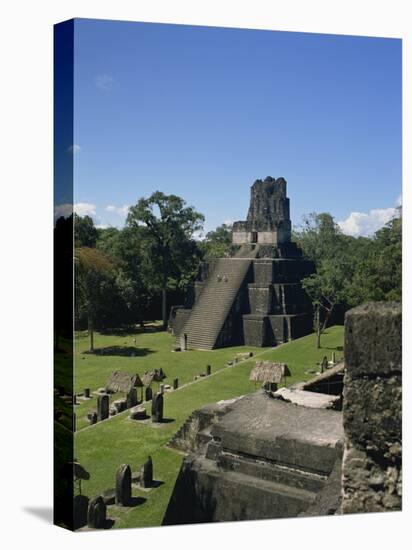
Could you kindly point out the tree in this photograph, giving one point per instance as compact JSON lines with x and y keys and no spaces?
{"x":85,"y":233}
{"x":125,"y":247}
{"x":326,"y":288}
{"x":320,"y":237}
{"x":349,"y":271}
{"x":94,"y":276}
{"x":218,"y":243}
{"x":167,"y":240}
{"x":378,"y":273}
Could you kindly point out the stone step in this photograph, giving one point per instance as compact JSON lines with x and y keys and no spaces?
{"x":214,"y":303}
{"x":272,"y":472}
{"x":240,"y":496}
{"x":301,"y":496}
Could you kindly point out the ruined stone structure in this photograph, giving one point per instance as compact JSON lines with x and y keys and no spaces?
{"x":255,"y":297}
{"x":256,"y":457}
{"x":299,"y":451}
{"x":372,"y":409}
{"x":268,"y":220}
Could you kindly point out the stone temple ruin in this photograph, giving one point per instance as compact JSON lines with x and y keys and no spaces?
{"x":254,"y":298}
{"x":305,"y":452}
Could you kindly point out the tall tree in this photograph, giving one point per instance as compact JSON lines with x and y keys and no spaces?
{"x":349,"y":270}
{"x":326,"y":289}
{"x":94,"y":276}
{"x":378,"y":272}
{"x":167,"y":244}
{"x":125,"y":247}
{"x":218,"y":243}
{"x":85,"y":233}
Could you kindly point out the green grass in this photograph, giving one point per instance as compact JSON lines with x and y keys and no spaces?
{"x":103,"y":447}
{"x":152,"y":349}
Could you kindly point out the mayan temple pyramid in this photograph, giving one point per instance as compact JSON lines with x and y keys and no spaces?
{"x":254,"y":298}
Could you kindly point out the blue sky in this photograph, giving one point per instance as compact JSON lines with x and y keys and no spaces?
{"x":202,"y":112}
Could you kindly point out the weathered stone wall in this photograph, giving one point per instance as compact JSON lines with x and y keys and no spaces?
{"x":281,"y":271}
{"x":181,"y":316}
{"x":241,"y":237}
{"x":260,"y":299}
{"x":372,"y":409}
{"x":263,"y":458}
{"x":255,"y":330}
{"x":186,"y":438}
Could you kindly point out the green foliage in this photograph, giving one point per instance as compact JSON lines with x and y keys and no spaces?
{"x":349,"y":270}
{"x":125,"y":248}
{"x":378,"y":273}
{"x":85,"y":233}
{"x":94,"y":285}
{"x":218,"y":243}
{"x":170,"y":256}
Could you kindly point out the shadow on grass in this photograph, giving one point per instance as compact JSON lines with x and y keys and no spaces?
{"x":129,"y":331}
{"x":123,"y":351}
{"x":337,"y":348}
{"x":136,"y":501}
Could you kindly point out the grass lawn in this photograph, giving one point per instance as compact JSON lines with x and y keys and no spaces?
{"x":102,"y":448}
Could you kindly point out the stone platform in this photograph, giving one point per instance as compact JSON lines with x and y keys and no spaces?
{"x":264,"y":458}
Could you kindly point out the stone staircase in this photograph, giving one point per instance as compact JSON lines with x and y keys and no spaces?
{"x":215,"y":301}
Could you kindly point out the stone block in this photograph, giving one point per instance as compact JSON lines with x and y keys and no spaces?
{"x":373,"y":339}
{"x":255,"y":330}
{"x":263,"y":272}
{"x":372,"y":412}
{"x":157,"y":408}
{"x":131,"y":399}
{"x":138,"y":413}
{"x":123,"y":485}
{"x":309,"y":399}
{"x":260,"y":299}
{"x":102,"y":407}
{"x":146,"y":474}
{"x":92,"y":417}
{"x":96,"y":514}
{"x":369,"y":485}
{"x":120,"y":404}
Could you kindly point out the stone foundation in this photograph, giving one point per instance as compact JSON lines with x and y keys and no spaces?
{"x":259,"y":458}
{"x":372,"y":409}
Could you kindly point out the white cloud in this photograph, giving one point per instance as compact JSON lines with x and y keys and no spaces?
{"x":229,"y":222}
{"x":74,"y":148}
{"x":85,"y":209}
{"x":359,"y":224}
{"x":102,"y":225}
{"x":399,"y":201}
{"x":104,"y":81}
{"x":120,"y":210}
